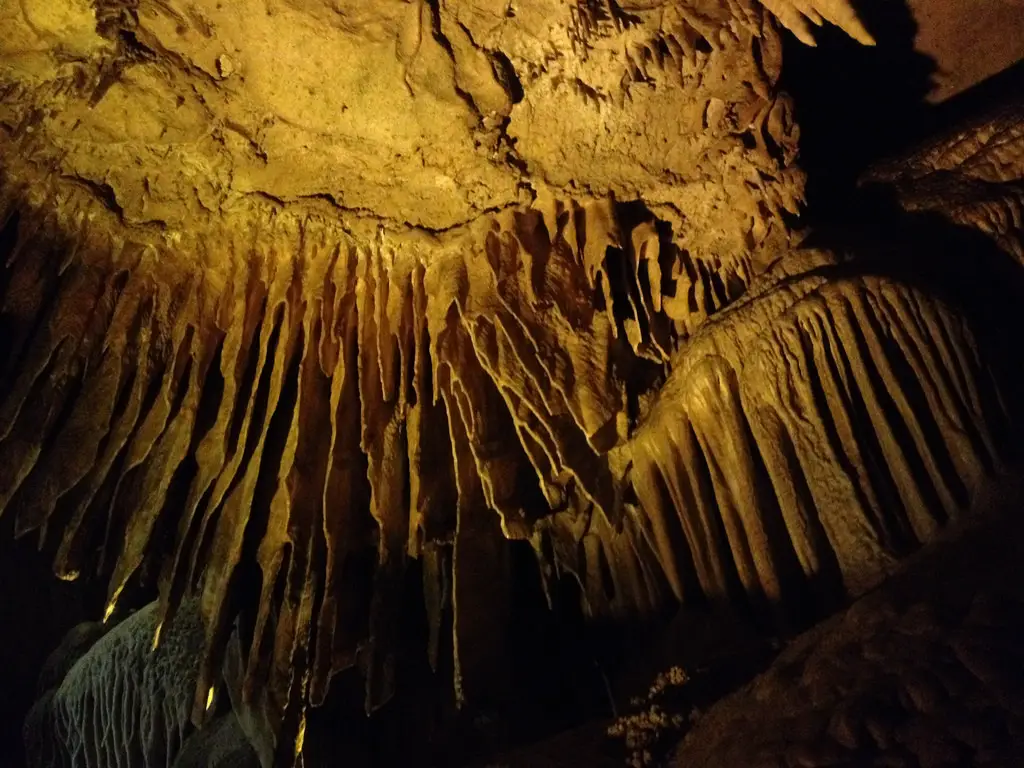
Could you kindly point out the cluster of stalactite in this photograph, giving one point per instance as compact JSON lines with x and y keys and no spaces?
{"x":305,"y":400}
{"x":283,"y":395}
{"x":812,"y":435}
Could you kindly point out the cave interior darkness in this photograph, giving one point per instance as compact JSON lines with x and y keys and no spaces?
{"x":569,"y":670}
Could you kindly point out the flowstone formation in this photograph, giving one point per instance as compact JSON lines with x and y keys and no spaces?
{"x":295,"y":293}
{"x":107,"y":697}
{"x":151,"y":691}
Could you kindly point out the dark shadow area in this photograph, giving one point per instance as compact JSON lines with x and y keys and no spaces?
{"x":36,"y":610}
{"x":997,"y":89}
{"x":555,"y":685}
{"x":856,"y":103}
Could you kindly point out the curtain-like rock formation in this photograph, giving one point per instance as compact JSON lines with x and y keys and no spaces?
{"x":266,"y":340}
{"x":850,"y":414}
{"x":330,"y":401}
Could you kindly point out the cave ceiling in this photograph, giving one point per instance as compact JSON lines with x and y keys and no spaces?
{"x":412,"y":114}
{"x":296,"y":292}
{"x":995,"y":29}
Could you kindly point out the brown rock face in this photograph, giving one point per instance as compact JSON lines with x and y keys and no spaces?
{"x":419,"y":114}
{"x":968,"y":41}
{"x":295,"y":293}
{"x":924,"y":672}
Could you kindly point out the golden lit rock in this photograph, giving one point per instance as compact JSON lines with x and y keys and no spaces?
{"x":300,"y":297}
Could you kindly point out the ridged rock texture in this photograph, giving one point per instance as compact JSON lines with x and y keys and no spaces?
{"x":120,"y":703}
{"x":330,"y":400}
{"x":108,"y":698}
{"x":268,"y":338}
{"x":922,"y":672}
{"x":972,"y":174}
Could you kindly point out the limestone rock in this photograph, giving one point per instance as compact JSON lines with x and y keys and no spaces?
{"x":898,"y":677}
{"x":293,"y":293}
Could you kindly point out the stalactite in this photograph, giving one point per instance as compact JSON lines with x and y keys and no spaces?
{"x":795,"y":15}
{"x":833,"y":426}
{"x":326,"y":410}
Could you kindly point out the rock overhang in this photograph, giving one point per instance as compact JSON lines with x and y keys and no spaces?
{"x":415,"y":115}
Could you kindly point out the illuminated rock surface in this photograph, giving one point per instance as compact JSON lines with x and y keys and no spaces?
{"x":302,"y":300}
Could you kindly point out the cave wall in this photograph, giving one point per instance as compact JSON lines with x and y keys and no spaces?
{"x":275,"y":346}
{"x":968,"y":40}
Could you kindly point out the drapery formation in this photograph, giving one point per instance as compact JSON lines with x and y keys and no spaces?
{"x":266,"y":343}
{"x":658,"y":427}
